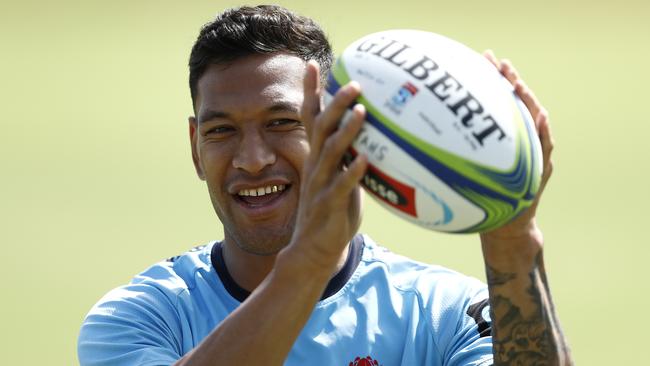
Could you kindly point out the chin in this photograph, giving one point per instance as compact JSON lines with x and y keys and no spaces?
{"x":262,"y":242}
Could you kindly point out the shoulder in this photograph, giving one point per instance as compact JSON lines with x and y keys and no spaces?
{"x":180,"y":272}
{"x":148,"y":310}
{"x":166,"y":279}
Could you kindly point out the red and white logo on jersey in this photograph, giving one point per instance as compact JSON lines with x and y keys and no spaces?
{"x":368,"y":361}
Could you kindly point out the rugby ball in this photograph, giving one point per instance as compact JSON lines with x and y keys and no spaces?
{"x":450,"y":145}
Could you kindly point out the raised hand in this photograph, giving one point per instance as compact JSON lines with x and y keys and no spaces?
{"x":525,"y":223}
{"x":329,"y":210}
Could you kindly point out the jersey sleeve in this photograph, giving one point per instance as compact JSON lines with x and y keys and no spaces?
{"x":471,"y":344}
{"x":132,"y":325}
{"x":460,"y":323}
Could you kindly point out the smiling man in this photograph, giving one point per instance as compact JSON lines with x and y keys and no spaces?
{"x":292,"y":282}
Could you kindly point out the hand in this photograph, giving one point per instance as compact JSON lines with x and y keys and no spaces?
{"x":524,"y":225}
{"x":329,"y":209}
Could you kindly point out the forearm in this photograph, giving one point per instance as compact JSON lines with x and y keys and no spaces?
{"x":264,"y":328}
{"x":525,"y":327}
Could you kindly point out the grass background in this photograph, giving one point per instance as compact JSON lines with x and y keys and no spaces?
{"x":96,"y":181}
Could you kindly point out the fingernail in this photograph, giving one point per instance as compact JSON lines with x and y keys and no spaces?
{"x":354,"y":86}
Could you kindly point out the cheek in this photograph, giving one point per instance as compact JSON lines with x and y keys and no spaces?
{"x":214,"y":162}
{"x":302,"y":151}
{"x":295,"y":149}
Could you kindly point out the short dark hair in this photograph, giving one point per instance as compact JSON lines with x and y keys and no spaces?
{"x":263,"y":29}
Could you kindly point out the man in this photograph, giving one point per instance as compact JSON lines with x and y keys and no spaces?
{"x":292,"y":282}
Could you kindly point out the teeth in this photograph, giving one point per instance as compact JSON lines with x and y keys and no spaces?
{"x":261,"y":191}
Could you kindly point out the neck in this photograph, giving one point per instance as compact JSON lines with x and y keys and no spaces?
{"x":248,"y":270}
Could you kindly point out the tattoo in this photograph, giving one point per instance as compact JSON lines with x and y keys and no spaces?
{"x":496,"y":278}
{"x":518,"y":339}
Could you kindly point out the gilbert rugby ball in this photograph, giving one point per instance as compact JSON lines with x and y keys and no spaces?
{"x":450,"y":145}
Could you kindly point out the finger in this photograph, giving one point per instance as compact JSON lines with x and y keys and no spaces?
{"x":522,"y":90}
{"x":546,"y":140}
{"x":509,"y":71}
{"x":348,"y":180}
{"x":337,"y":144}
{"x":311,"y":102}
{"x":528,"y":97}
{"x":489,"y":54}
{"x":328,"y":120}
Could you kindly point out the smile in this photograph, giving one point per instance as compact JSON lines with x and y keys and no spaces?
{"x":263,"y":201}
{"x":261,"y":191}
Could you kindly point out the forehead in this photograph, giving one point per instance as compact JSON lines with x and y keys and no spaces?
{"x":251,"y":83}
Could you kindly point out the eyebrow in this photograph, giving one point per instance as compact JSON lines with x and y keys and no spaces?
{"x":211,"y":114}
{"x":284,"y":107}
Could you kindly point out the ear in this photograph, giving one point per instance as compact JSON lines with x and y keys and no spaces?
{"x":193,"y":142}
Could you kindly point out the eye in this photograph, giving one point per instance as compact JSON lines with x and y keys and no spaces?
{"x":284,"y":123}
{"x":219,"y":130}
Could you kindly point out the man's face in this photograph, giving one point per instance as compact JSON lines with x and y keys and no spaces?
{"x":249,"y":144}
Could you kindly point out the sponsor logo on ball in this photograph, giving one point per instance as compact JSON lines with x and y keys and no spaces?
{"x":441,"y":83}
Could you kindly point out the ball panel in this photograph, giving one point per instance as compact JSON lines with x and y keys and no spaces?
{"x":497,"y":211}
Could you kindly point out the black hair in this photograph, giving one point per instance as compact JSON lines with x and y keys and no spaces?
{"x":263,"y":29}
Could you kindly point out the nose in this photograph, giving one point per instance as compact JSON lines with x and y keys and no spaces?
{"x":254,"y":153}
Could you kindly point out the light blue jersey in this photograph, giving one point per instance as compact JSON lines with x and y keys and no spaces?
{"x":381,"y":309}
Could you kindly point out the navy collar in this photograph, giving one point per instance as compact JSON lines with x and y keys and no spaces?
{"x":335,"y":284}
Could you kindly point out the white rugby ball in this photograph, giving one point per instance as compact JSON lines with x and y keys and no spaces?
{"x":450,"y":145}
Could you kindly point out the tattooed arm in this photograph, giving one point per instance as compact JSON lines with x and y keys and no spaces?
{"x":525,"y":327}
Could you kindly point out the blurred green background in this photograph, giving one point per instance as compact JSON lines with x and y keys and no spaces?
{"x":97,"y":183}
